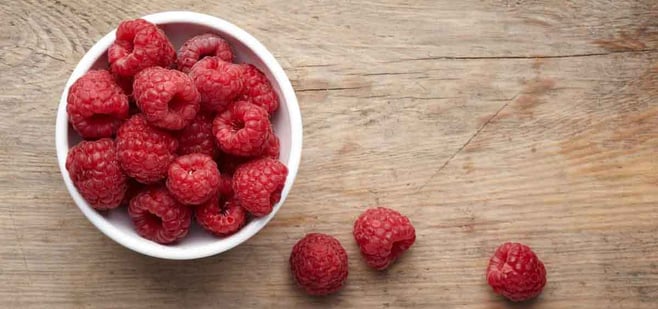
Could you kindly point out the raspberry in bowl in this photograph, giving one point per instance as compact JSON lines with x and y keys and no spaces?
{"x":103,"y":123}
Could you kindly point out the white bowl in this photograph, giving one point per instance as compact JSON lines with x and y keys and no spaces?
{"x":287,"y":123}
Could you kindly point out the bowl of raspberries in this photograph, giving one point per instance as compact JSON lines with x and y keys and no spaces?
{"x":178,"y":135}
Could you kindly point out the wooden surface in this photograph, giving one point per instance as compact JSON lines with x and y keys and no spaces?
{"x":483,"y":121}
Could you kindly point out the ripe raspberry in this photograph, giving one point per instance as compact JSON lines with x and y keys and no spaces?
{"x":96,"y":105}
{"x":158,"y":216}
{"x":218,"y":82}
{"x":515,"y":272}
{"x":318,"y":263}
{"x":257,"y":185}
{"x":221,"y":215}
{"x":95,"y":171}
{"x":144,"y":150}
{"x":258,"y":90}
{"x":242,"y":129}
{"x":168,"y":98}
{"x":383,"y":235}
{"x":201,"y":46}
{"x":272,"y":147}
{"x":193,"y":178}
{"x":139,"y":44}
{"x":197,"y":137}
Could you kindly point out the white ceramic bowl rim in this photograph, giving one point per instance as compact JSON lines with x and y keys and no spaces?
{"x":204,"y":250}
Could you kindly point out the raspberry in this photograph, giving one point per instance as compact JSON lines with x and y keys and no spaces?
{"x":272,"y":147}
{"x":168,"y":98}
{"x":258,"y":90}
{"x":197,"y":137}
{"x":318,"y":263}
{"x":202,"y":46}
{"x":96,"y":105}
{"x":383,"y":235}
{"x":193,"y":178}
{"x":218,"y":82}
{"x":158,"y":216}
{"x":139,"y":44}
{"x":257,"y":185}
{"x":95,"y":171}
{"x":221,"y":215}
{"x":515,"y":272}
{"x":145,"y":151}
{"x":242,"y":129}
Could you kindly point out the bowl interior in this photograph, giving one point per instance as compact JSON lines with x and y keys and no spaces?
{"x":199,"y":243}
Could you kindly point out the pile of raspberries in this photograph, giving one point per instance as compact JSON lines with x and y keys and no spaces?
{"x":179,"y":135}
{"x":175,"y":135}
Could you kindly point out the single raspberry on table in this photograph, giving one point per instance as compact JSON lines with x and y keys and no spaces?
{"x":201,"y":46}
{"x":158,"y":216}
{"x":258,"y":184}
{"x":139,"y":44}
{"x":318,"y":263}
{"x":221,"y":215}
{"x":145,"y":151}
{"x":219,"y":82}
{"x":383,"y":235}
{"x":96,"y":105}
{"x":95,"y":171}
{"x":515,"y":272}
{"x":193,"y":179}
{"x":242,"y":129}
{"x":167,"y":98}
{"x":197,"y":137}
{"x":258,"y":90}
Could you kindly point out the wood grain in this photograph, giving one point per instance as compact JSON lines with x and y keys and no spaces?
{"x":483,"y":121}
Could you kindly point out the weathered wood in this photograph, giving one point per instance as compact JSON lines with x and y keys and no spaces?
{"x":483,"y":121}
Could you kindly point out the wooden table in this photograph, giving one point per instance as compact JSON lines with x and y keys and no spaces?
{"x":483,"y":121}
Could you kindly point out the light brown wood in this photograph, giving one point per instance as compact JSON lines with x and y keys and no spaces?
{"x":483,"y":121}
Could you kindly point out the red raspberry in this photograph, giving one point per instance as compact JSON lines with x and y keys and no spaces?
{"x":144,"y":150}
{"x":95,"y":171}
{"x":139,"y":44}
{"x":242,"y":129}
{"x":515,"y":272}
{"x":158,"y":216}
{"x":219,"y":82}
{"x":168,"y":98}
{"x":201,"y":46}
{"x":318,"y":263}
{"x":96,"y":105}
{"x":221,"y":215}
{"x":258,"y":90}
{"x":193,"y":178}
{"x":197,"y":137}
{"x":383,"y":235}
{"x":272,"y":147}
{"x":257,"y":185}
